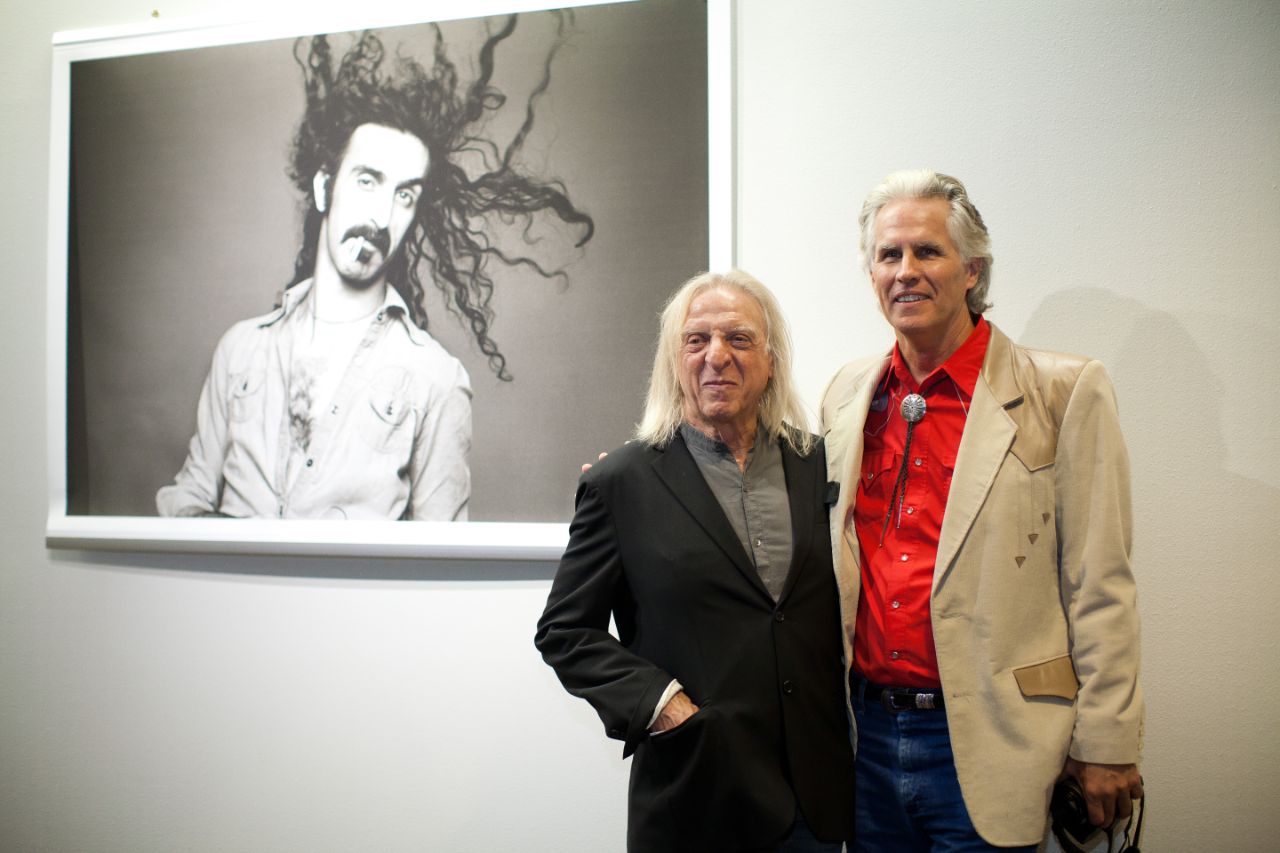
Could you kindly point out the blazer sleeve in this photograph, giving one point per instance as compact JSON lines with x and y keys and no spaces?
{"x":1098,"y":592}
{"x":573,"y":633}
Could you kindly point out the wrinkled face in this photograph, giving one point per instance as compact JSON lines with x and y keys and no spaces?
{"x":724,"y":363}
{"x":371,"y":201}
{"x":918,"y":274}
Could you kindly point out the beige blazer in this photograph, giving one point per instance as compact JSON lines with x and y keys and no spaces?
{"x":1033,"y":605}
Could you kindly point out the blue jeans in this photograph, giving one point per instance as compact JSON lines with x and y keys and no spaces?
{"x":908,"y":795}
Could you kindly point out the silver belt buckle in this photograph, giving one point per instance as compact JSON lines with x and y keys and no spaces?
{"x":887,"y":696}
{"x":921,"y":700}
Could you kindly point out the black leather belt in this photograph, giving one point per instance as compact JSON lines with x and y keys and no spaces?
{"x":895,"y":699}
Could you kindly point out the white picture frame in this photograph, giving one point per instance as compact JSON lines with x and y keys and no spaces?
{"x":71,"y":527}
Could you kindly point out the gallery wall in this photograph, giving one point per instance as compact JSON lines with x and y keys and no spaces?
{"x":1126,"y":159}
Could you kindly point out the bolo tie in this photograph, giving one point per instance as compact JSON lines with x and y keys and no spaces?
{"x":913,"y":409}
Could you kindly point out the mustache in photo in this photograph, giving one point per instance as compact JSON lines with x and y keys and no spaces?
{"x":379,"y":238}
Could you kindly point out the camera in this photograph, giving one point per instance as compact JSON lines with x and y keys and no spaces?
{"x":1069,"y":814}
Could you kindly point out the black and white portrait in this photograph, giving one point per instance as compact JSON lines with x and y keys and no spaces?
{"x":405,"y":273}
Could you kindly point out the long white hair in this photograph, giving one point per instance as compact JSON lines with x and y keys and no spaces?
{"x":782,"y":415}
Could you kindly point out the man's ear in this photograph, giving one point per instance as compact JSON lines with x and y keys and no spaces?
{"x":320,"y":189}
{"x":973,"y":272}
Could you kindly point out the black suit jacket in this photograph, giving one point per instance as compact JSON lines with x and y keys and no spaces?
{"x":650,"y":546}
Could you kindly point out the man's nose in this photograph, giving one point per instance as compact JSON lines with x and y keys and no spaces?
{"x":907,"y":267}
{"x":718,"y":352}
{"x":380,"y":208}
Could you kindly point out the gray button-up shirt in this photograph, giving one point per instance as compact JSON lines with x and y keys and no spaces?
{"x":754,"y":500}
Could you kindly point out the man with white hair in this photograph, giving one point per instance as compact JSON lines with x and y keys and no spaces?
{"x":982,"y":541}
{"x":706,"y":541}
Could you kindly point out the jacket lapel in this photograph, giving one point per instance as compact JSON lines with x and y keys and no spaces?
{"x":805,"y":499}
{"x":676,"y":468}
{"x":844,"y":441}
{"x":988,"y":434}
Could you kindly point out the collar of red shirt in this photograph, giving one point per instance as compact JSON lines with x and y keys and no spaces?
{"x":963,"y":367}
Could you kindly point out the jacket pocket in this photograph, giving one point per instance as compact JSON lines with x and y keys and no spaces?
{"x":1054,"y":677}
{"x":690,"y":767}
{"x":714,"y":783}
{"x":687,"y":726}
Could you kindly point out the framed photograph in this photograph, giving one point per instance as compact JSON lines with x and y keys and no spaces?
{"x":370,"y":286}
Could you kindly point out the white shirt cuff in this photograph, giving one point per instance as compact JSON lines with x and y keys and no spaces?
{"x":672,"y":689}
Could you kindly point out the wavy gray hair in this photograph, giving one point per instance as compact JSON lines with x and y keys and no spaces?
{"x":782,"y":415}
{"x":965,"y":224}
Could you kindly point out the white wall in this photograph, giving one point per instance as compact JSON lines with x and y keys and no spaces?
{"x":1126,"y":159}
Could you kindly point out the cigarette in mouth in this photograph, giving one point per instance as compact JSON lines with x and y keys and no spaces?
{"x":357,"y":250}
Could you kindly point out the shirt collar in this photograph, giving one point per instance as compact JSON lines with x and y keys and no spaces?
{"x":696,"y":438}
{"x":393,"y":306}
{"x":963,"y":367}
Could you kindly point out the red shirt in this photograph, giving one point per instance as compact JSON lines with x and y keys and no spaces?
{"x":893,"y":637}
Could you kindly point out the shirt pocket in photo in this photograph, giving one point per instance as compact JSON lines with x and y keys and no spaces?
{"x":388,"y":428}
{"x":247,"y":388}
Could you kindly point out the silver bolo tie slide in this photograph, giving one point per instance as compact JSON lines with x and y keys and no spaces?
{"x":913,"y":409}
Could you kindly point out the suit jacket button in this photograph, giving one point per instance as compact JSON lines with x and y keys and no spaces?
{"x":788,"y":687}
{"x":779,"y":616}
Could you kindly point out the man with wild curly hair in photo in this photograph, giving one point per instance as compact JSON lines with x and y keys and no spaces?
{"x":338,"y":403}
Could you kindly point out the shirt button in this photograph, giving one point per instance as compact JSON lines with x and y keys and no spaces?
{"x":757,"y":543}
{"x":893,"y":655}
{"x":911,"y":510}
{"x":897,"y":604}
{"x":904,"y":558}
{"x":788,"y":687}
{"x":311,"y":462}
{"x":919,"y":461}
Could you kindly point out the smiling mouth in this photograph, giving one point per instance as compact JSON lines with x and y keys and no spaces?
{"x":909,"y":297}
